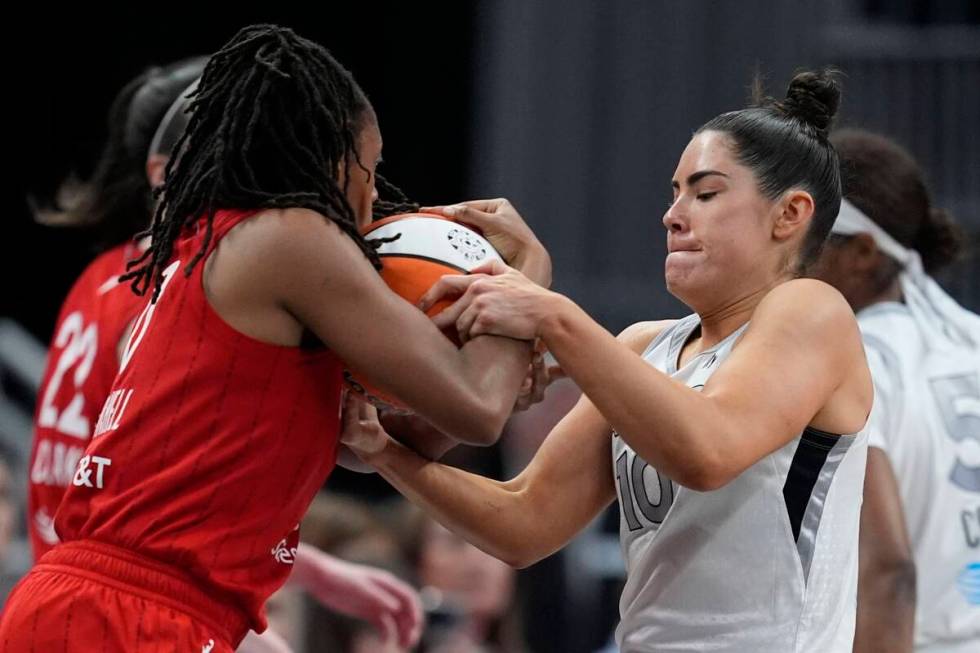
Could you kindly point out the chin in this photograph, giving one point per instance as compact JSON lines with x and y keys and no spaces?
{"x":680,"y":292}
{"x":677,"y":280}
{"x":685,"y":286}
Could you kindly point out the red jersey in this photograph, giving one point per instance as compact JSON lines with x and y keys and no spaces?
{"x":211,"y":445}
{"x":82,"y":363}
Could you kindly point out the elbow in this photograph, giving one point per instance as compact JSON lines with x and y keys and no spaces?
{"x":521,"y":556}
{"x":490,"y":428}
{"x":905,"y":583}
{"x":692,"y":460}
{"x":523,"y":541}
{"x":704,"y":473}
{"x":896,"y":580}
{"x":703,"y":482}
{"x":522,"y":562}
{"x":480,"y":424}
{"x":494,"y":420}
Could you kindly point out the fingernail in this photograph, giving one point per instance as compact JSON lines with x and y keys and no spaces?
{"x":449,"y":210}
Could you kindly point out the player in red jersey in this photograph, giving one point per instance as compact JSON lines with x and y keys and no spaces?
{"x":93,"y":321}
{"x":224,"y":419}
{"x":145,"y":121}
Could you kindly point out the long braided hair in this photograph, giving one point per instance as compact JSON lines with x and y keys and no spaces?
{"x":391,"y":200}
{"x":273,"y":117}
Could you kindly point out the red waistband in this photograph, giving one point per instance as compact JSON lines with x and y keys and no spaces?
{"x":154,"y":580}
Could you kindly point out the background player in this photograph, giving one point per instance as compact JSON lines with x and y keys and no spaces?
{"x":89,"y":333}
{"x":920,"y":525}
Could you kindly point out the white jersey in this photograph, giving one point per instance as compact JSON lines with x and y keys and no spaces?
{"x":927,"y":420}
{"x":766,"y":564}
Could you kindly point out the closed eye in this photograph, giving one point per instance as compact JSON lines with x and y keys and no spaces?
{"x":704,"y":197}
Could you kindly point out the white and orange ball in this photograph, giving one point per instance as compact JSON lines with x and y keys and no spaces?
{"x":425,"y":248}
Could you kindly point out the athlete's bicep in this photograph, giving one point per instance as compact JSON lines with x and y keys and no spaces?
{"x":800,"y":348}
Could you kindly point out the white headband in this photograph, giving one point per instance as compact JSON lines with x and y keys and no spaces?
{"x":937,"y":314}
{"x":178,"y":105}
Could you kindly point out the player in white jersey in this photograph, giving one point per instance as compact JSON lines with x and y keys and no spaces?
{"x":924,"y":353}
{"x":734,"y":438}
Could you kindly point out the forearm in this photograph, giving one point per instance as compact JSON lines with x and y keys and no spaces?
{"x":661,"y":419}
{"x":499,"y":365}
{"x":887,"y":577}
{"x":487,"y":513}
{"x":886,"y":610}
{"x":535,"y":264}
{"x":494,"y":369}
{"x":425,"y":439}
{"x":307,"y":565}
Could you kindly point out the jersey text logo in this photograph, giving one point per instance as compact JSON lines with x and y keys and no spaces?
{"x":54,"y":463}
{"x":283,"y":553}
{"x":112,"y":411}
{"x":84,"y":474}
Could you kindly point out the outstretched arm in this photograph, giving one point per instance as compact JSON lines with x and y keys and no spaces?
{"x":799,"y":362}
{"x":568,"y":482}
{"x":520,"y":521}
{"x":360,"y":591}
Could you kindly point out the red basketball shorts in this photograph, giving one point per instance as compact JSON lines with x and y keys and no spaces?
{"x":90,"y":597}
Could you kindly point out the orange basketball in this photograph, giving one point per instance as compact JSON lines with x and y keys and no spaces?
{"x":426,"y":248}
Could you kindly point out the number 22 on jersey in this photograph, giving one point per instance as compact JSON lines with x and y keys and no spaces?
{"x":78,"y":344}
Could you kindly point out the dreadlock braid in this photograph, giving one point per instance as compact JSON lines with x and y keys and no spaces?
{"x":391,"y":200}
{"x":274,"y":114}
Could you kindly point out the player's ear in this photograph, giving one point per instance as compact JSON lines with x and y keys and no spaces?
{"x":156,"y":168}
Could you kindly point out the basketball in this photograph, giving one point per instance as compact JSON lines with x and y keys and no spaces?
{"x":419,"y":249}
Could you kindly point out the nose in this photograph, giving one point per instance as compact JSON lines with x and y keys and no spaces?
{"x":674,"y":219}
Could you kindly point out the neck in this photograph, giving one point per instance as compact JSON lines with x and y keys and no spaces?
{"x":719,"y":323}
{"x":893,"y":293}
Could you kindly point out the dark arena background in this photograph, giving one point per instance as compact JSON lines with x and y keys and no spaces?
{"x":576,"y":111}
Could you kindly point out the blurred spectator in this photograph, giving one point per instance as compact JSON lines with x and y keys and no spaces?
{"x":14,"y":558}
{"x":7,"y":515}
{"x":469,"y":596}
{"x":351,"y":530}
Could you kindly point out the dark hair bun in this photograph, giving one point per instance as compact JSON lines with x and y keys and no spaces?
{"x":940,"y":241}
{"x":813,"y":98}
